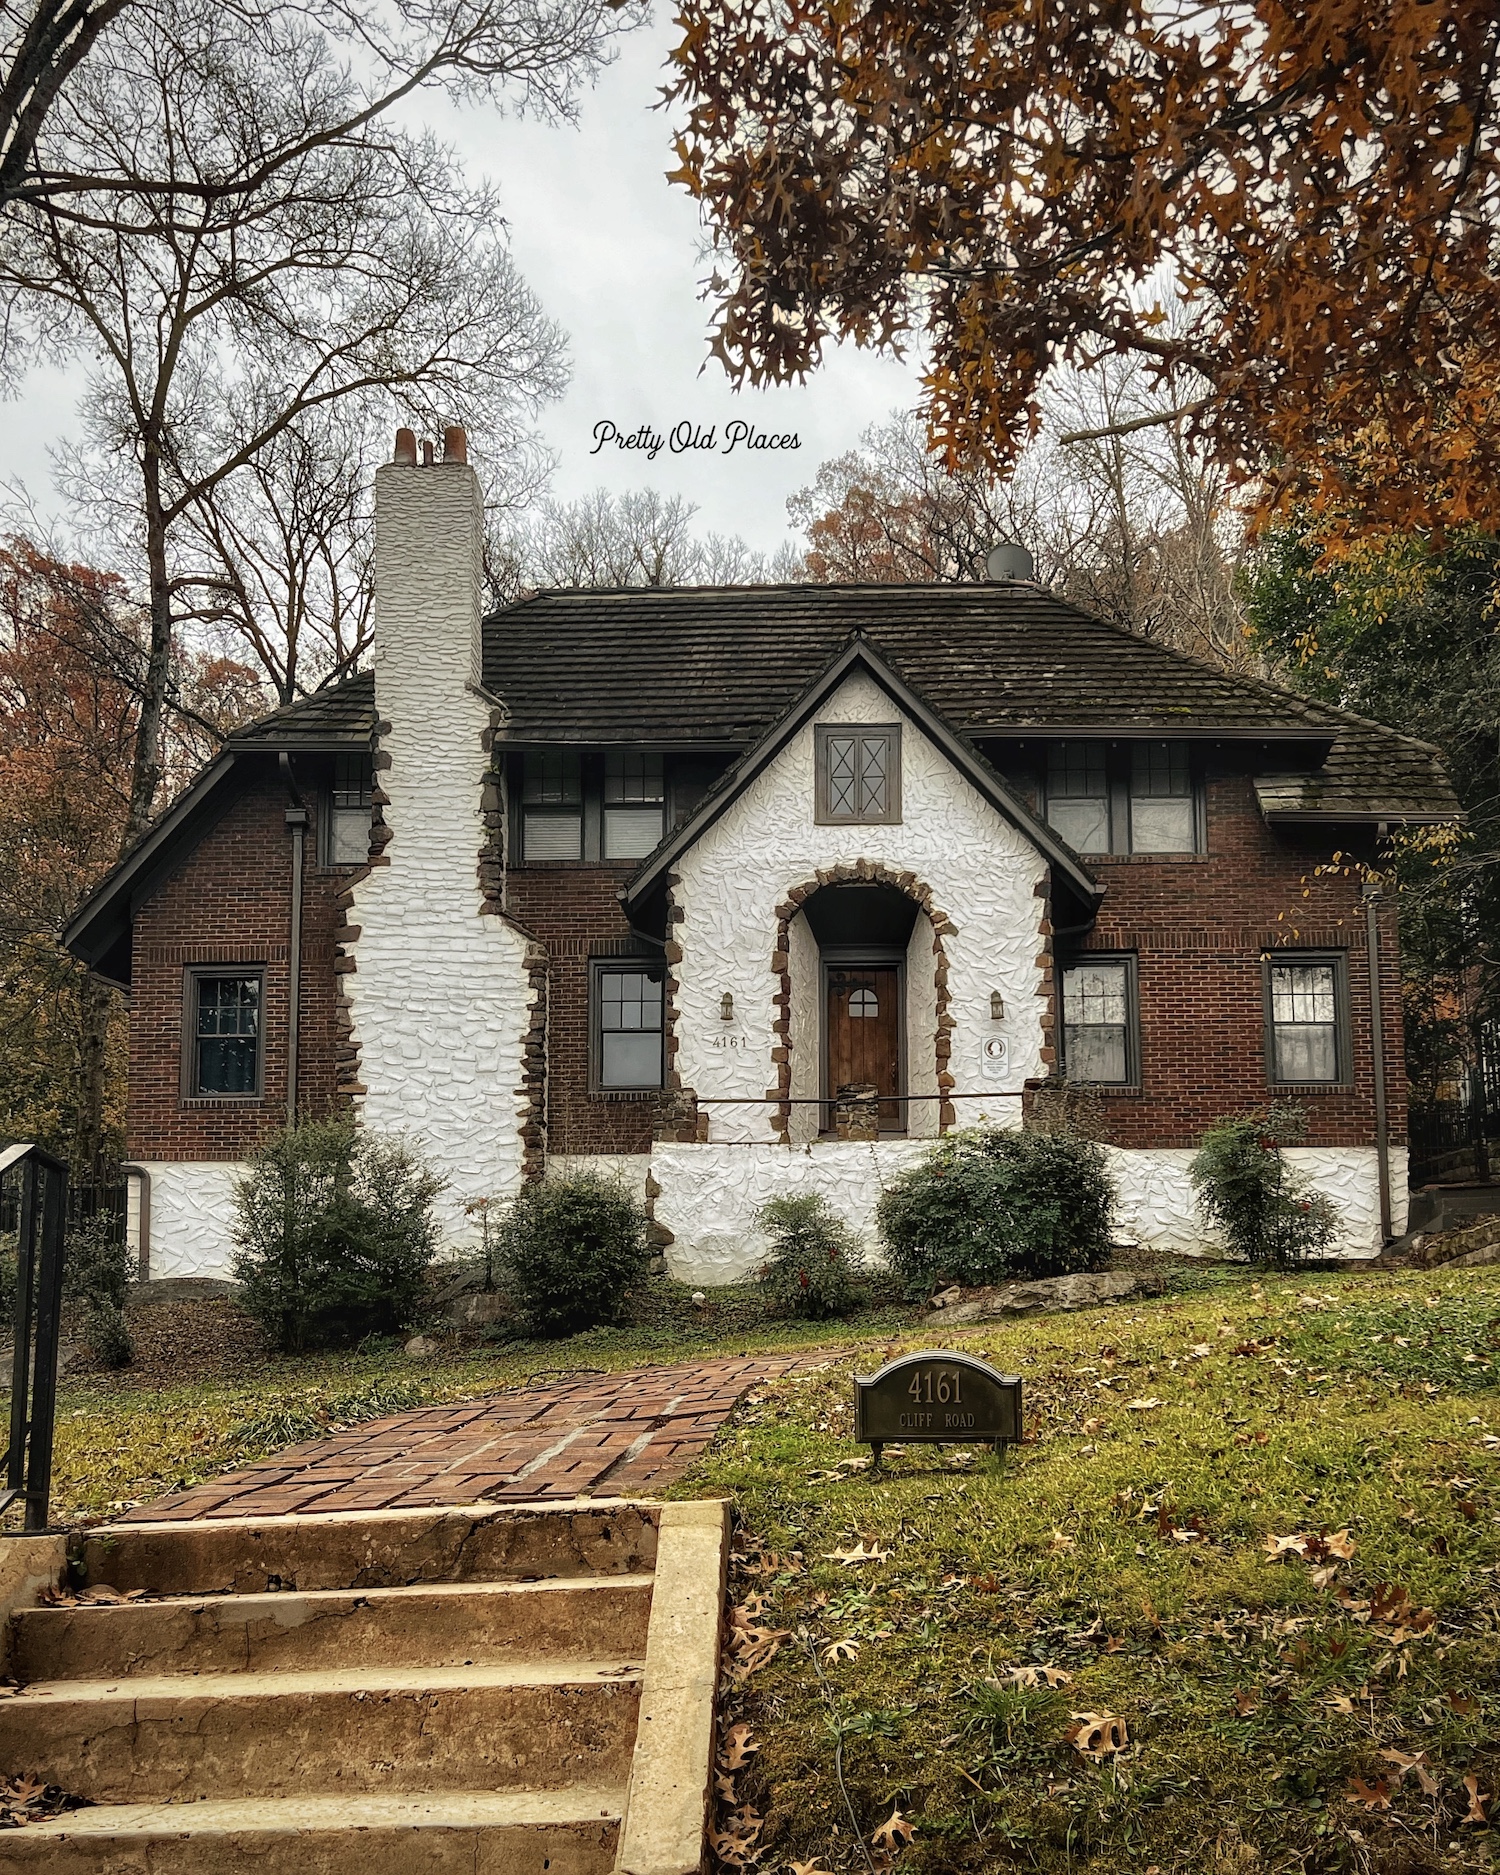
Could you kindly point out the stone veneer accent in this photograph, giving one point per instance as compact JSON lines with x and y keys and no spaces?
{"x":869,"y":871}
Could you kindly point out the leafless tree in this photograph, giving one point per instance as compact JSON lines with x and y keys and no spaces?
{"x":640,"y":538}
{"x":233,"y":336}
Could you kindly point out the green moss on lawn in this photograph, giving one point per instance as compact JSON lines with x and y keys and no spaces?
{"x":1125,"y":1546}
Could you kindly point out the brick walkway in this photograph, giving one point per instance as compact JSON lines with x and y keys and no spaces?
{"x":614,"y":1435}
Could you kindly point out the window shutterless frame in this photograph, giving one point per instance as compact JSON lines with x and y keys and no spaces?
{"x":1092,"y":785}
{"x":1128,"y":962}
{"x":622,"y":1018}
{"x":1338,"y":963}
{"x":194,"y":977}
{"x":858,"y":780}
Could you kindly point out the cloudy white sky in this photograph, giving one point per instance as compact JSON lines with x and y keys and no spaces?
{"x":614,"y":252}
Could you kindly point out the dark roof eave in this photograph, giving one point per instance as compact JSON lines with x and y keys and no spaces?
{"x":105,"y":914}
{"x":1360,"y":816}
{"x":967,"y":760}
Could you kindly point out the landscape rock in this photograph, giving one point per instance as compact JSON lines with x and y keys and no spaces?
{"x":1082,"y":1291}
{"x":420,"y":1346}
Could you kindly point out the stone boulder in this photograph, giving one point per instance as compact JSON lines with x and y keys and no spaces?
{"x":1064,"y":1293}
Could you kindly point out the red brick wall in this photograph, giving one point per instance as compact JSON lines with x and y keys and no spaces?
{"x":576,"y":915}
{"x":1198,"y":925}
{"x":230,"y":903}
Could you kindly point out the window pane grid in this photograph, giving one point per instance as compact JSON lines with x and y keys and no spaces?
{"x":227,"y":1021}
{"x":858,"y":775}
{"x":552,"y":778}
{"x":631,"y":778}
{"x":1096,"y":1023}
{"x":352,"y":781}
{"x":1304,"y":1022}
{"x":630,"y":1028}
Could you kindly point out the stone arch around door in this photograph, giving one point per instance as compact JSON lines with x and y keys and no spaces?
{"x":871,"y":872}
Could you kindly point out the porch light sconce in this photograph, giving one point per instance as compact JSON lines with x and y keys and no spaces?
{"x":726,"y":1007}
{"x":997,"y":1006}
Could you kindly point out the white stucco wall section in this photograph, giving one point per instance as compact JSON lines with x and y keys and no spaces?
{"x":981,"y":870}
{"x":805,"y":1028}
{"x":191,"y":1213}
{"x":440,"y":995}
{"x":922,"y":1115}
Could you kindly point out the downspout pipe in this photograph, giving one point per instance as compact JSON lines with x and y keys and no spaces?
{"x":297,"y":820}
{"x":1372,"y":896}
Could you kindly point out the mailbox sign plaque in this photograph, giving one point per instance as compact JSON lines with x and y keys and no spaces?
{"x":937,"y":1399}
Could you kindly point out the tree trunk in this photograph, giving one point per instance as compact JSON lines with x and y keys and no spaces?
{"x":95,"y":1007}
{"x":146,"y":774}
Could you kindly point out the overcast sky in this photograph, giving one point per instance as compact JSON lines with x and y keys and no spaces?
{"x":613,"y":251}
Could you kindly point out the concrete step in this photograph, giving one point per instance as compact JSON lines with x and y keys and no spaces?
{"x":528,"y":1724}
{"x":565,"y":1832}
{"x":372,"y":1549}
{"x":434,"y":1624}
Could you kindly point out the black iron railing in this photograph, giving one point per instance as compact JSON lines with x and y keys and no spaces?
{"x":40,"y":1183}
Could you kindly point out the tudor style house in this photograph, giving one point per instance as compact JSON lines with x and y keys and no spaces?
{"x":647,"y":879}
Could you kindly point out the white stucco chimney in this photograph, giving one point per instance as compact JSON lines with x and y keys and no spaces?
{"x":440,"y":999}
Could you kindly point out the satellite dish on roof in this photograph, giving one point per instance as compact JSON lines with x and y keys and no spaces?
{"x":1008,"y":560}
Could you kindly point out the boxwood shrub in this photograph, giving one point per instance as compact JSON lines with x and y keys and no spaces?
{"x":572,"y":1248}
{"x":816,"y":1261}
{"x":990,"y":1204}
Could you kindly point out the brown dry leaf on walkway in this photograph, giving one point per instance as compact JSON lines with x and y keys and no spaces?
{"x":1376,"y":1796}
{"x":1477,"y":1800}
{"x":1097,"y":1734}
{"x":735,"y":1841}
{"x":894,"y":1833}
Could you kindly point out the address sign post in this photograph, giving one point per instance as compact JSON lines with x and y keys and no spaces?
{"x":937,"y":1398}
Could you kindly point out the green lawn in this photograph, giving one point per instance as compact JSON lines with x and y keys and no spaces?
{"x":1112,"y":1585}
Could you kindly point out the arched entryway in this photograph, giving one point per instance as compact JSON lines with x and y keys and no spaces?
{"x":863,"y":1002}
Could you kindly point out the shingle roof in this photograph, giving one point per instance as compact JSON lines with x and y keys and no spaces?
{"x":717,"y":666}
{"x":343,"y":712}
{"x":1371,"y":774}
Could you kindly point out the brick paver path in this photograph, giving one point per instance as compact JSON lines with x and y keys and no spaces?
{"x":611,"y":1435}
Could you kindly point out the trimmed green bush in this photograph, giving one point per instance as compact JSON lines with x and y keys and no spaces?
{"x":97,"y":1268}
{"x":815,"y":1259}
{"x":334,"y":1234}
{"x":572,"y":1248}
{"x":990,"y":1204}
{"x":1266,"y":1212}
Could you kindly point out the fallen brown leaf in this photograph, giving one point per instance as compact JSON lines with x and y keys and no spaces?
{"x":1477,"y":1800}
{"x":894,"y":1833}
{"x":1097,"y":1734}
{"x":1376,"y":1796}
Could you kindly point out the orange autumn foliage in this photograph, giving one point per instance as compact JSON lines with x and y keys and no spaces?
{"x":1015,"y":184}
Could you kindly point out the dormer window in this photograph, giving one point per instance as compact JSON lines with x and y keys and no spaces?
{"x":635,"y":803}
{"x":859,"y":774}
{"x":1135,"y":798}
{"x":552,"y":805}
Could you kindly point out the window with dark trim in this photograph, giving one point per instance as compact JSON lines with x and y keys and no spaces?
{"x":1101,"y":1021}
{"x":1307,"y":1019}
{"x":625,"y":1006}
{"x":350,"y":804}
{"x":1139,"y":797}
{"x":552,"y":805}
{"x":859,"y":773}
{"x":635,"y":803}
{"x":223,"y":1040}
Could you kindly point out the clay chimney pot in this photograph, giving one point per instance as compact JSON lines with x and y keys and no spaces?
{"x":426,"y":452}
{"x":455,"y":444}
{"x":406,"y":446}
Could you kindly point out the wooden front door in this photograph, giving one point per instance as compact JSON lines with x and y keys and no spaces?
{"x":863,"y":1027}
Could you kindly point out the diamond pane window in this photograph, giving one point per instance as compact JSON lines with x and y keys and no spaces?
{"x":552,"y":805}
{"x":628,"y":1017}
{"x":1078,"y":795}
{"x":635,"y":801}
{"x":1304,"y":999}
{"x":859,"y":774}
{"x":1161,"y":799}
{"x":1097,"y":1028}
{"x":226,"y":1035}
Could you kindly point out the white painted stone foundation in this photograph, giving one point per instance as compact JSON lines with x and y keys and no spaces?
{"x":709,"y":1195}
{"x":190,"y":1216}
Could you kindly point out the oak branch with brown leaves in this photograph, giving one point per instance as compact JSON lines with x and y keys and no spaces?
{"x":1014,"y":185}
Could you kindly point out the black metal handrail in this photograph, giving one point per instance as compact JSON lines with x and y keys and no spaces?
{"x":39,"y":1274}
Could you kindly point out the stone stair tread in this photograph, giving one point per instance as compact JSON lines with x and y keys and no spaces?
{"x":534,"y":1670}
{"x":441,"y":1809}
{"x":269,"y":1599}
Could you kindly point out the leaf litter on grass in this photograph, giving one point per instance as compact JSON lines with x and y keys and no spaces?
{"x":1243,"y":1692}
